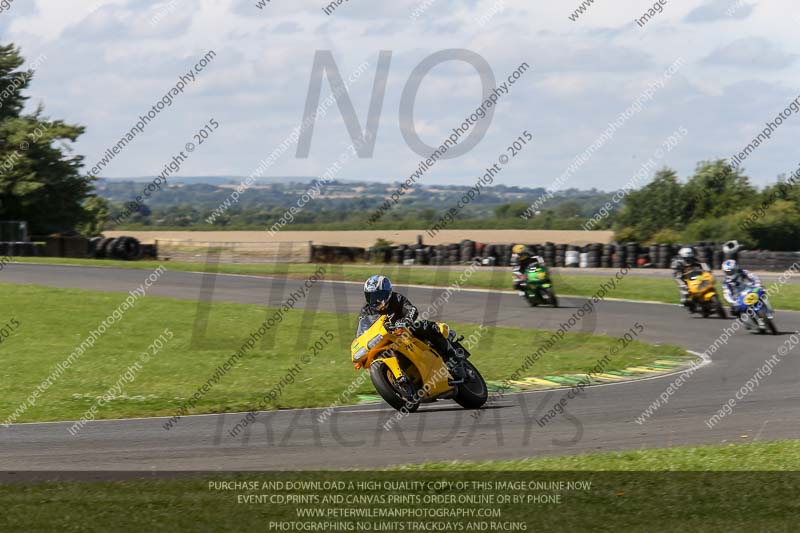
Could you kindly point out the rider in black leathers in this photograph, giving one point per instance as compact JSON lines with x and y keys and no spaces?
{"x":401,"y":313}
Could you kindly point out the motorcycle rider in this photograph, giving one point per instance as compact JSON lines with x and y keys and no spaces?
{"x":523,"y":258}
{"x":683,"y":264}
{"x":401,"y":313}
{"x":736,"y":278}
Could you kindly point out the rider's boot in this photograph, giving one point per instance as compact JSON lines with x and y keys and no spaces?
{"x":453,"y":357}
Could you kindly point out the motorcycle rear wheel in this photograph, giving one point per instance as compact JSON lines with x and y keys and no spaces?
{"x":473,"y":393}
{"x":390,"y":390}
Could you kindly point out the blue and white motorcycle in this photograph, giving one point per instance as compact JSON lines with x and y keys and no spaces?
{"x":755,"y":312}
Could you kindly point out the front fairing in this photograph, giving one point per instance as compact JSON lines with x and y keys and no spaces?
{"x":538,"y":276}
{"x":751,"y":298}
{"x":369,"y":333}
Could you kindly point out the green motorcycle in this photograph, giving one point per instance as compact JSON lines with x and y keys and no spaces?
{"x":537,"y":286}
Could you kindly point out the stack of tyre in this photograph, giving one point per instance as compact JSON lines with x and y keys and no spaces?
{"x":125,"y":248}
{"x":631,"y":254}
{"x":561,"y":253}
{"x":408,"y":255}
{"x":503,"y":253}
{"x":422,"y":255}
{"x":439,"y":255}
{"x":718,"y":258}
{"x":593,"y":253}
{"x":607,"y":255}
{"x":453,"y":253}
{"x":549,"y":253}
{"x":466,"y":251}
{"x":705,"y":253}
{"x":711,"y":253}
{"x":619,"y":258}
{"x":572,"y":257}
{"x":664,"y":255}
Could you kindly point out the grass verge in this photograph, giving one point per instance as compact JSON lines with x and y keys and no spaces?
{"x":757,"y":456}
{"x":634,"y":288}
{"x":577,"y":497}
{"x":53,"y":322}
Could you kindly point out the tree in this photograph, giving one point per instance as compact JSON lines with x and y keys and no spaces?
{"x":39,"y":182}
{"x":98,"y":211}
{"x":510,"y":210}
{"x":779,"y":229}
{"x":569,"y":209}
{"x":656,"y":206}
{"x":716,"y":190}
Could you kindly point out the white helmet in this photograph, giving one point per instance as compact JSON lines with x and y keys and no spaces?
{"x":730,"y":267}
{"x":686,"y":253}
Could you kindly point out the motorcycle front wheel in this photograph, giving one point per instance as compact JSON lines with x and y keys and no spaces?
{"x":532,"y":298}
{"x":551,"y":296}
{"x":473,"y":393}
{"x":770,"y":324}
{"x":398,"y":395}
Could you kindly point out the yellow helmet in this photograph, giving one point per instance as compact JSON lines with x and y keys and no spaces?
{"x":518,"y":248}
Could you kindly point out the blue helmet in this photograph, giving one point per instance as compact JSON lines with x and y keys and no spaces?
{"x":730,"y":267}
{"x":377,"y":290}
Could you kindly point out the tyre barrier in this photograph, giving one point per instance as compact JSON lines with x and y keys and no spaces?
{"x":771,"y":261}
{"x":124,"y":248}
{"x":336,"y":254}
{"x":102,"y":251}
{"x":592,"y":255}
{"x":22,"y":249}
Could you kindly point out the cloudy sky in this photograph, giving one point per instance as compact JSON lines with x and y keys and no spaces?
{"x":105,"y":62}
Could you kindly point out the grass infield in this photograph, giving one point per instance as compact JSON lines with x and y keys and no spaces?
{"x":54,"y":322}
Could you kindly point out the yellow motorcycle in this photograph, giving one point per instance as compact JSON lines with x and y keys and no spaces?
{"x":703,"y":293}
{"x":406,"y":371}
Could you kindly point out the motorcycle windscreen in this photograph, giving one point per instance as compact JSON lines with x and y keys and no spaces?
{"x":694,"y":274}
{"x":365,"y":322}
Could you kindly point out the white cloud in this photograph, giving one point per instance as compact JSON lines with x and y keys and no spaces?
{"x":107,"y":65}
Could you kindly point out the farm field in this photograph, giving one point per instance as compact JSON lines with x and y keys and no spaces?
{"x":368,"y":237}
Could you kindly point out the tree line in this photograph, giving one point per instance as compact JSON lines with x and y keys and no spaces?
{"x":42,"y":183}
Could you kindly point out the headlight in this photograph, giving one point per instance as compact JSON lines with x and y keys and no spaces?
{"x":359,"y":354}
{"x":374,"y":340}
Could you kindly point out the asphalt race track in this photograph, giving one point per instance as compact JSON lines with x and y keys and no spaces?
{"x":602,"y":419}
